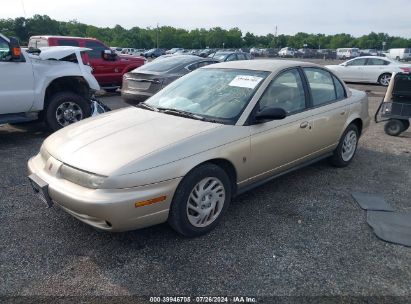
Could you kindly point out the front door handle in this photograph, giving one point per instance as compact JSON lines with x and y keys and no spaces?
{"x":304,"y":125}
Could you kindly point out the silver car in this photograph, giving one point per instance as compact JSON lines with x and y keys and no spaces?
{"x":182,"y":155}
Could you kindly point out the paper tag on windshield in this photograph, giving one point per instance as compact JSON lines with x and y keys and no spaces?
{"x":245,"y":81}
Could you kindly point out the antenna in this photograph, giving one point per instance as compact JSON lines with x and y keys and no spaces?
{"x":24,"y":11}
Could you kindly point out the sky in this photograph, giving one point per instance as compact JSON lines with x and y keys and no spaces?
{"x":356,"y":17}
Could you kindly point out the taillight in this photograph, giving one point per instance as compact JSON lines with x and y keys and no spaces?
{"x":405,"y":69}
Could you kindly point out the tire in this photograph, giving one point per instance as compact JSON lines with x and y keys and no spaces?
{"x":77,"y":107}
{"x":345,"y":151}
{"x":406,"y":125}
{"x":394,"y":127}
{"x":183,"y":216}
{"x":384,"y":79}
{"x":111,"y":90}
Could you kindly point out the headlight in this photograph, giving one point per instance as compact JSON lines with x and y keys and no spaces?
{"x":387,"y":108}
{"x":82,"y":178}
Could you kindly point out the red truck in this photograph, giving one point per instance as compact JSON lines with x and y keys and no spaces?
{"x":108,"y":67}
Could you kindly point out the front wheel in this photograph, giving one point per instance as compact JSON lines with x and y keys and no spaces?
{"x":345,"y":151}
{"x":384,"y":79}
{"x":200,"y":200}
{"x":64,"y":109}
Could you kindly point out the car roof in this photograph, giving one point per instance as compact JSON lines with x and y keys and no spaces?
{"x":269,"y":65}
{"x":61,"y":37}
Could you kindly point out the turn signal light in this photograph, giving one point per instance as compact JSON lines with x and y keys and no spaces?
{"x":17,"y":51}
{"x":150,"y":201}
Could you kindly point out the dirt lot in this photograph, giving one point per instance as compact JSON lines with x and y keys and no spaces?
{"x":299,"y":235}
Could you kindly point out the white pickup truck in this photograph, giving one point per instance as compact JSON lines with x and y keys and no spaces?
{"x":53,"y":85}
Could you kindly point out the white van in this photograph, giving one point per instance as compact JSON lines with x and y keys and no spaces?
{"x":399,"y":54}
{"x":286,"y":52}
{"x":348,"y":53}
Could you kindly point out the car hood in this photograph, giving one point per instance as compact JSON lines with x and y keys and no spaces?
{"x":109,"y":143}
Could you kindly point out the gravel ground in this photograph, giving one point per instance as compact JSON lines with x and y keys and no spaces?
{"x":299,"y":235}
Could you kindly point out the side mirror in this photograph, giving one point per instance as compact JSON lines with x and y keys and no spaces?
{"x":15,"y":49}
{"x":109,"y":55}
{"x":269,"y":114}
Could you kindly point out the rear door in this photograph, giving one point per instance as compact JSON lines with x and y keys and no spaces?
{"x":16,"y":82}
{"x":328,"y":107}
{"x":374,"y":68}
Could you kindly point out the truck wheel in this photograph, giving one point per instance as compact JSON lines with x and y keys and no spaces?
{"x":394,"y":127}
{"x":66,"y":108}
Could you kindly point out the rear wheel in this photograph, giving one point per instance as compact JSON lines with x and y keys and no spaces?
{"x":406,"y":124}
{"x":64,"y":109}
{"x":345,"y":151}
{"x":384,"y":79}
{"x":394,"y":127}
{"x":200,"y":200}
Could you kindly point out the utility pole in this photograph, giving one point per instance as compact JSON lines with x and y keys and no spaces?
{"x":275,"y":37}
{"x":157,"y":34}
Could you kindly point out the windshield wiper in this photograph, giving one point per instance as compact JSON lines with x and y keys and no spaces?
{"x":146,"y":106}
{"x":181,"y":113}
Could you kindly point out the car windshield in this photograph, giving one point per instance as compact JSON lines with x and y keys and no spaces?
{"x":214,"y":94}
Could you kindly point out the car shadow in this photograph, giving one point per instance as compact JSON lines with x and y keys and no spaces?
{"x":303,"y":219}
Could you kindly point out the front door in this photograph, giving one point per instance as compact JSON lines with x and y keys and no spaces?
{"x":280,"y":144}
{"x":354,"y":70}
{"x":16,"y":82}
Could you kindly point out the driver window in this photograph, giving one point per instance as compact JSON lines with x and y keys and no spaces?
{"x":232,"y":57}
{"x":96,"y":49}
{"x":286,"y":92}
{"x":355,"y":62}
{"x":4,"y":51}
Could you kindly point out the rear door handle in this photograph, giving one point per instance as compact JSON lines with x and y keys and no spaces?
{"x":342,"y":113}
{"x":304,"y":125}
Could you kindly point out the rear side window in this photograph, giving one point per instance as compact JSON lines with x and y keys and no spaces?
{"x":38,"y":43}
{"x":377,"y":61}
{"x":339,"y":88}
{"x":322,"y":86}
{"x":241,"y":57}
{"x":96,"y":47}
{"x":67,"y":42}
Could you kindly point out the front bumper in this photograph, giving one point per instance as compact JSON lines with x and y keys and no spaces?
{"x":106,"y":209}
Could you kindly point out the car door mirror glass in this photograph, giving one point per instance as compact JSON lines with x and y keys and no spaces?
{"x":268,"y":114}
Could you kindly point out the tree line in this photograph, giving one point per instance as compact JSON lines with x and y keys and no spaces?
{"x":168,"y":37}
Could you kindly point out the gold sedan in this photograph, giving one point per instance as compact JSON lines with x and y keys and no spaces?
{"x":184,"y":153}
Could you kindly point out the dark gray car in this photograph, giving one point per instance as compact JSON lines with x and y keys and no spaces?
{"x":145,"y":81}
